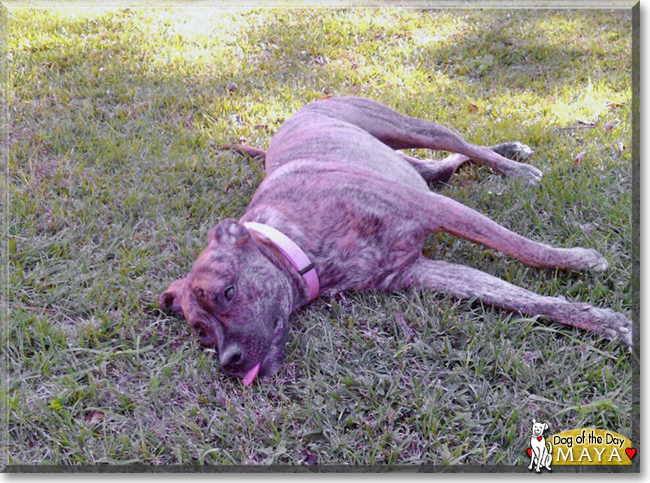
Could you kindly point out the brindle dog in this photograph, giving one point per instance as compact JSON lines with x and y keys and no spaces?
{"x":359,"y":212}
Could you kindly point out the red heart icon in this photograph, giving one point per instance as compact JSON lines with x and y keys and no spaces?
{"x":530,"y":453}
{"x":539,"y":438}
{"x":630,"y":452}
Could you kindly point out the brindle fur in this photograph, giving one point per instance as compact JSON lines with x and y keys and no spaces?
{"x":360,"y":210}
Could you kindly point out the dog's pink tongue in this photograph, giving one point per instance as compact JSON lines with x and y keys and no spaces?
{"x":251,"y":375}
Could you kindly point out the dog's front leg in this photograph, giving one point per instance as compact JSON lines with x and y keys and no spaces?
{"x":468,"y":283}
{"x":540,"y":460}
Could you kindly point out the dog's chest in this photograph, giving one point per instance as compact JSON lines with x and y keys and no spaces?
{"x":364,"y":265}
{"x":357,"y":227}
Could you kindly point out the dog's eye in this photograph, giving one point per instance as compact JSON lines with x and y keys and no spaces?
{"x":229,"y":293}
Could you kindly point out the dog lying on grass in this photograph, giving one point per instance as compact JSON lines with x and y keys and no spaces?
{"x":341,"y":209}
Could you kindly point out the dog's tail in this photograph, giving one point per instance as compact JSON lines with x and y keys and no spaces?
{"x":550,"y":447}
{"x":245,"y":151}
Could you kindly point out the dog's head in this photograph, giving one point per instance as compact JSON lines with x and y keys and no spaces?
{"x":235,"y":300}
{"x":539,"y":428}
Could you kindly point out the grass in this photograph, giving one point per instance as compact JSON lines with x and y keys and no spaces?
{"x":115,"y":179}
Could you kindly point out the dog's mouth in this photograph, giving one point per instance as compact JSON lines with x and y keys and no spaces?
{"x":273,"y":359}
{"x":248,"y":376}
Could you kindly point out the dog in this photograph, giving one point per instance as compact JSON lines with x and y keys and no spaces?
{"x":340,"y":208}
{"x":541,"y":455}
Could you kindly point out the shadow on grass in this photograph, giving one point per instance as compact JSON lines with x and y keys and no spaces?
{"x":290,"y":63}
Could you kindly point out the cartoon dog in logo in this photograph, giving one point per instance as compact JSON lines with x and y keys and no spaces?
{"x":540,"y":455}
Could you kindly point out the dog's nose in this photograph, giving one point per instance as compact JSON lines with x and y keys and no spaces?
{"x":231,"y":356}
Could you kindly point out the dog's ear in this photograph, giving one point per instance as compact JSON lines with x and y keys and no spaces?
{"x":229,"y":232}
{"x":545,"y":426}
{"x":170,"y":300}
{"x":534,"y":421}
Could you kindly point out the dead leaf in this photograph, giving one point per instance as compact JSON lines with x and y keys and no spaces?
{"x":409,"y":333}
{"x":577,"y":161}
{"x":588,"y":228}
{"x":309,"y":457}
{"x":613,"y":105}
{"x":531,"y":356}
{"x":94,"y":417}
{"x":473,"y":108}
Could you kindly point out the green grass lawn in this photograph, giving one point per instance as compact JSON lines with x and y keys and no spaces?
{"x":115,"y":177}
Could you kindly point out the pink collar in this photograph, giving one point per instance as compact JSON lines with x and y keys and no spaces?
{"x":294,"y":254}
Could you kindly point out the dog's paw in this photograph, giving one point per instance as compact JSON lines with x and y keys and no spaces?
{"x":528,"y":173}
{"x":616,"y":326}
{"x":595,"y":261}
{"x":610,"y":324}
{"x":584,"y":259}
{"x":516,"y":151}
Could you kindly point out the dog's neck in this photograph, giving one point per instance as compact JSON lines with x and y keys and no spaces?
{"x":284,"y":248}
{"x":299,"y":292}
{"x":292,"y":252}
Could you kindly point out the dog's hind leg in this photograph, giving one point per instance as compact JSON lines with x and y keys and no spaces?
{"x":445,"y":214}
{"x":441,"y":171}
{"x":470,"y":284}
{"x":403,"y":132}
{"x":549,"y":457}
